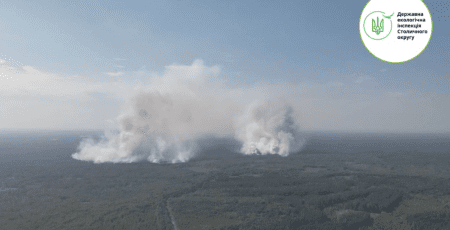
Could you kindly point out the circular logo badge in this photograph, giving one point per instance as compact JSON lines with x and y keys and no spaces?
{"x":395,"y":31}
{"x":378,"y":26}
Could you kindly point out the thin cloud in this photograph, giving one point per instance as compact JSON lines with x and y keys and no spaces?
{"x":31,"y":98}
{"x":115,"y":74}
{"x":335,"y":84}
{"x":395,"y":94}
{"x":32,"y":82}
{"x":120,"y":59}
{"x":35,"y":99}
{"x":362,"y":79}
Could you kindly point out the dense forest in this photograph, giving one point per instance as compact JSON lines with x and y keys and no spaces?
{"x":224,"y":190}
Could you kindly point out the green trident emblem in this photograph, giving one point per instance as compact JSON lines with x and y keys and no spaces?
{"x":378,"y":27}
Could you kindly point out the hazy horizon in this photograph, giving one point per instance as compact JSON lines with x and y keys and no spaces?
{"x":264,"y":73}
{"x":75,"y":66}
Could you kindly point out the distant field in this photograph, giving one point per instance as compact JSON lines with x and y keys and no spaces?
{"x":43,"y":188}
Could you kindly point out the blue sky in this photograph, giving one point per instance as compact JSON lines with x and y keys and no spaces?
{"x":314,"y":43}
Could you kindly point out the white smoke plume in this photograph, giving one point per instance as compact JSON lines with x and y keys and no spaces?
{"x":268,"y":129}
{"x":165,"y":120}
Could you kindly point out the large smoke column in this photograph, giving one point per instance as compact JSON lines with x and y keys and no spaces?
{"x":164,"y":121}
{"x":269,"y":129}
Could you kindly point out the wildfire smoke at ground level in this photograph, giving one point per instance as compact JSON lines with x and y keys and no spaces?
{"x":164,"y":120}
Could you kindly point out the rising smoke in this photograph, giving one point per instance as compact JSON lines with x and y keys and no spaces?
{"x":268,"y":129}
{"x":164,"y":121}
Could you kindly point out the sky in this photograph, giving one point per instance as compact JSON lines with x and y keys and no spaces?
{"x":73,"y":65}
